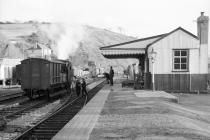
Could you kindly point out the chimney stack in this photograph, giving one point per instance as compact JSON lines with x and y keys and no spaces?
{"x":202,"y":28}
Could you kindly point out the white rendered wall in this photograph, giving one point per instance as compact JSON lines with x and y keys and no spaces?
{"x":164,"y":48}
{"x":194,"y":64}
{"x":1,"y":72}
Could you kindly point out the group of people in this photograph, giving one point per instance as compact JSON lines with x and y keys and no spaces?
{"x":109,"y":76}
{"x":80,"y":86}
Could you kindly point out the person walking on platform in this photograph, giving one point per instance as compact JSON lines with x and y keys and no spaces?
{"x":83,"y":85}
{"x":107,"y":77}
{"x":78,"y":87}
{"x":111,"y":75}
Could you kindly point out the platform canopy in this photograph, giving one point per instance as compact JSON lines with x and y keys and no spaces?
{"x":131,"y":49}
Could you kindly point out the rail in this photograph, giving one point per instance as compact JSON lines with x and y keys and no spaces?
{"x":49,"y":126}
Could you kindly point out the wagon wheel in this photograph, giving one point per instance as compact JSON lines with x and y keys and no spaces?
{"x":68,"y":88}
{"x":30,"y":94}
{"x":39,"y":93}
{"x":49,"y":92}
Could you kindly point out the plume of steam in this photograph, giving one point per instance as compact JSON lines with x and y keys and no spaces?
{"x":67,"y":37}
{"x":70,"y":40}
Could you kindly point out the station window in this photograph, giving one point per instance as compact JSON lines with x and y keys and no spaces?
{"x":180,"y":60}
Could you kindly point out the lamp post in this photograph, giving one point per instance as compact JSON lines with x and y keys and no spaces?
{"x":152,"y":56}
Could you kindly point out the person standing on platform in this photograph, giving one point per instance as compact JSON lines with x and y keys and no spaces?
{"x":140,"y":70}
{"x":73,"y":84}
{"x":111,"y":75}
{"x":107,"y":77}
{"x":83,"y":85}
{"x":78,"y":87}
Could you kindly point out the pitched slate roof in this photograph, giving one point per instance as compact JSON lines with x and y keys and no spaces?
{"x":39,"y":47}
{"x":135,"y":44}
{"x":139,"y":45}
{"x":134,"y":47}
{"x":11,"y":51}
{"x":179,"y":28}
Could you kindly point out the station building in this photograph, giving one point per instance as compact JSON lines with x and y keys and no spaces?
{"x":39,"y":51}
{"x":181,"y":62}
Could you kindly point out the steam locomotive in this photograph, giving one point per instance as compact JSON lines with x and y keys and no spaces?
{"x":44,"y":77}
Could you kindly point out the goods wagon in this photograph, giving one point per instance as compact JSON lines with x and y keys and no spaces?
{"x":17,"y":74}
{"x":41,"y":76}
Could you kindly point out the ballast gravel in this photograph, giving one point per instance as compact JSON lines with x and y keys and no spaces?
{"x":27,"y":120}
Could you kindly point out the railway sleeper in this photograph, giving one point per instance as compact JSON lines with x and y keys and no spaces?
{"x":41,"y":133}
{"x":63,"y":119}
{"x":54,"y":126}
{"x":54,"y":121}
{"x":67,"y":115}
{"x":72,"y":110}
{"x":45,"y":131}
{"x":59,"y":118}
{"x":40,"y":137}
{"x":44,"y":136}
{"x":73,"y":107}
{"x":57,"y":121}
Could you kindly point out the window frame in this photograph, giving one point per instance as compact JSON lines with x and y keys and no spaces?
{"x":180,"y":63}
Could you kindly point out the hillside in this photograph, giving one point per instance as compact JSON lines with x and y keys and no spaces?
{"x":86,"y":47}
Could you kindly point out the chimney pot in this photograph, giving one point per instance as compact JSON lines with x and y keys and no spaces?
{"x":202,"y":26}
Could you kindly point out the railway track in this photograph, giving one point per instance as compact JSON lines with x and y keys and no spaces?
{"x":50,"y":125}
{"x":14,"y":107}
{"x":10,"y":97}
{"x":17,"y":109}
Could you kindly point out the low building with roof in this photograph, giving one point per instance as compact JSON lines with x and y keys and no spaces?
{"x":10,"y":56}
{"x":39,"y":51}
{"x":181,"y":62}
{"x":7,"y":69}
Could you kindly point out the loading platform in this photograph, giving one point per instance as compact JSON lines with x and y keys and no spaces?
{"x":124,"y":113}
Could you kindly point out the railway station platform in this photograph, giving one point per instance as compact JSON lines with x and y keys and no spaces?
{"x":124,"y":113}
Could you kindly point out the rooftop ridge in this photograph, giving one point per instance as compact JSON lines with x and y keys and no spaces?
{"x":179,"y":28}
{"x":137,"y":40}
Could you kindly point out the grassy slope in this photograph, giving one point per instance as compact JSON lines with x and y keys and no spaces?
{"x":100,"y":37}
{"x":95,"y":39}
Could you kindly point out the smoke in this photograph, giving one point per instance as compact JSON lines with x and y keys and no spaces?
{"x":69,"y":40}
{"x":66,"y":37}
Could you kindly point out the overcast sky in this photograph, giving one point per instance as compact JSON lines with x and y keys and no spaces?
{"x":140,"y":18}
